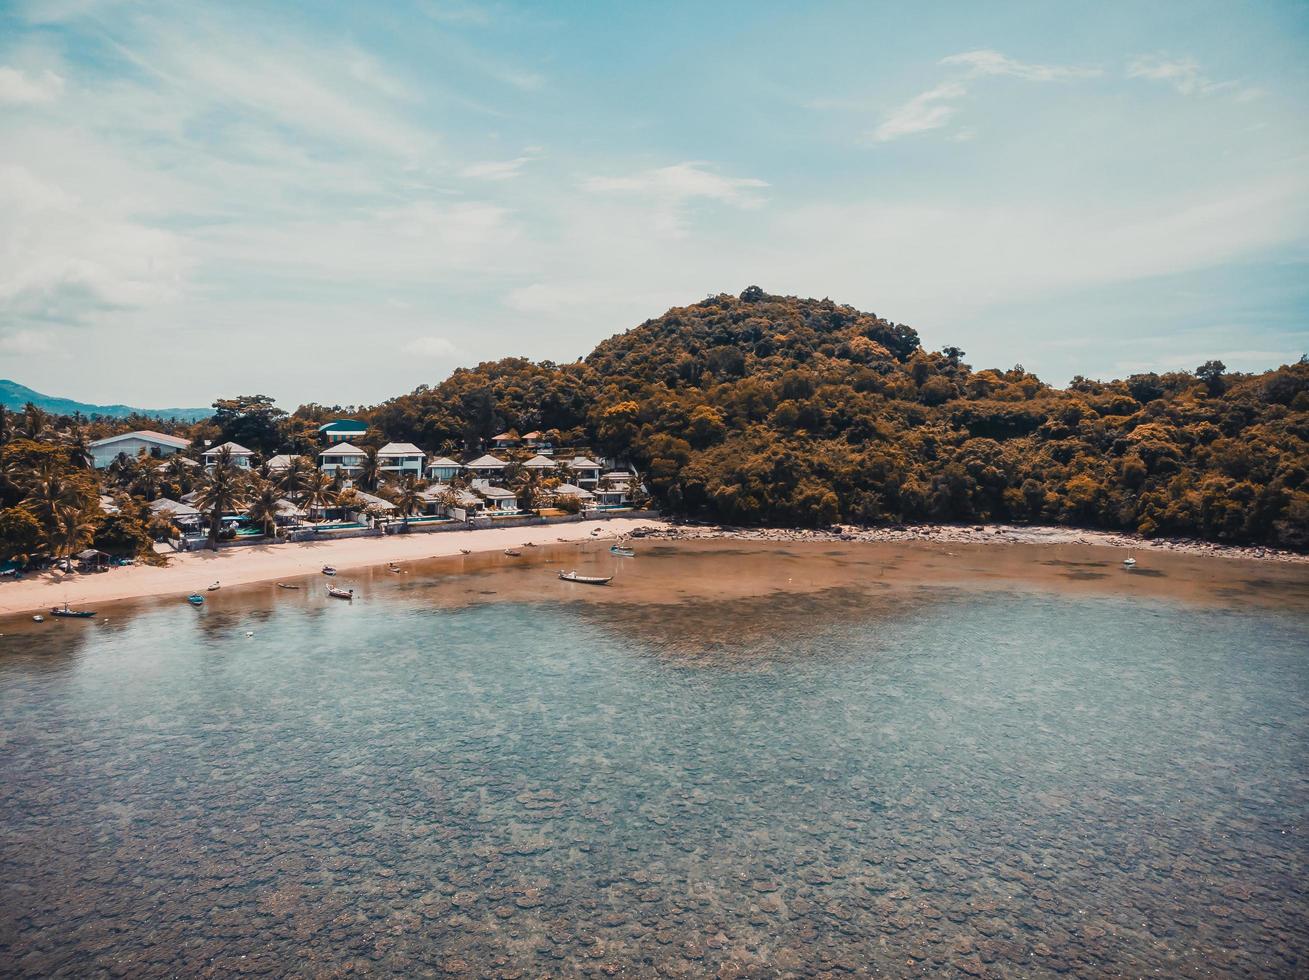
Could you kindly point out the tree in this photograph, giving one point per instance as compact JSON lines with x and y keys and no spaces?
{"x":408,"y":496}
{"x":35,"y":421}
{"x":319,"y":492}
{"x":263,"y":508}
{"x":1211,"y":373}
{"x":297,"y":473}
{"x":251,"y":421}
{"x":370,"y":472}
{"x":21,"y":534}
{"x":221,"y":493}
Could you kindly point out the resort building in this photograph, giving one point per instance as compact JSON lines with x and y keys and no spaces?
{"x":183,"y":515}
{"x":242,"y":458}
{"x":399,"y":458}
{"x":443,"y":469}
{"x":585,"y":471}
{"x":487,"y":468}
{"x":341,"y":430}
{"x":280,"y":463}
{"x":343,"y":458}
{"x":463,"y":505}
{"x":370,"y":506}
{"x":498,"y":500}
{"x":542,"y":463}
{"x":505,"y":440}
{"x":537,"y":442}
{"x":129,"y":444}
{"x":585,"y":497}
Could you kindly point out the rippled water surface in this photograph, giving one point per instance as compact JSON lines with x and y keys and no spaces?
{"x":991,"y":783}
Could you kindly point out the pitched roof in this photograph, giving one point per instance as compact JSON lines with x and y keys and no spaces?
{"x":399,"y":449}
{"x":175,"y":458}
{"x":505,"y":436}
{"x":342,"y":449}
{"x":235,"y":448}
{"x":175,"y":507}
{"x":582,"y":463}
{"x":280,"y":462}
{"x":149,"y":435}
{"x":532,"y":435}
{"x":344,"y":425}
{"x":496,"y":493}
{"x":374,"y":501}
{"x":568,"y":490}
{"x":539,"y":462}
{"x":443,"y":461}
{"x":486,"y":462}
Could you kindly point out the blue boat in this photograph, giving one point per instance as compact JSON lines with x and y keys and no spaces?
{"x":196,"y":599}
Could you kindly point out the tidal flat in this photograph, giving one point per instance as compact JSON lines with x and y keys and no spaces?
{"x":738,"y":759}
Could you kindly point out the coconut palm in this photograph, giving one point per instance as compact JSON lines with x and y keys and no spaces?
{"x":179,"y":472}
{"x":79,"y":449}
{"x":147,"y":479}
{"x":56,"y":504}
{"x":34,"y":421}
{"x":223,"y":492}
{"x":294,"y":477}
{"x":530,"y":485}
{"x":319,"y":491}
{"x":370,"y":471}
{"x":264,"y":508}
{"x":408,"y":496}
{"x":6,"y":425}
{"x":76,"y":529}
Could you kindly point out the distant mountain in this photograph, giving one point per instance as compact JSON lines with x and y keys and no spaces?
{"x":14,"y":396}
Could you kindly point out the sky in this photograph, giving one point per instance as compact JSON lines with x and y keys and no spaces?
{"x":337,"y":202}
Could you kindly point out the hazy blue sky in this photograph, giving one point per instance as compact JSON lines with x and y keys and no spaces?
{"x":337,"y":202}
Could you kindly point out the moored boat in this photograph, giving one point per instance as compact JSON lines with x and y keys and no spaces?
{"x":196,"y":599}
{"x":512,"y":553}
{"x":586,"y":579}
{"x":622,"y":552}
{"x":465,"y":551}
{"x":329,"y":570}
{"x":336,"y":593}
{"x":1129,"y":562}
{"x":283,"y":585}
{"x":215,"y":587}
{"x":67,"y":613}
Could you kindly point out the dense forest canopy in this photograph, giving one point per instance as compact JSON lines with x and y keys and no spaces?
{"x":762,"y":409}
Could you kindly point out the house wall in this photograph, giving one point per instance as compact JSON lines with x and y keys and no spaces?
{"x":104,"y":455}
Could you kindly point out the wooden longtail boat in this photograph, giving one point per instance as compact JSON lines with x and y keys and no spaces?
{"x":336,"y":593}
{"x":67,"y":613}
{"x":586,"y":579}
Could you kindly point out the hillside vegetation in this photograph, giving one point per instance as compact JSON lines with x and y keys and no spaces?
{"x":778,"y":410}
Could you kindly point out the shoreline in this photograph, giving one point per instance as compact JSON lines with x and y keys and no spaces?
{"x":195,"y":570}
{"x":992,"y":534}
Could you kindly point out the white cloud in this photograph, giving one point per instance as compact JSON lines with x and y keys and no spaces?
{"x":930,"y":110}
{"x":496,"y":169}
{"x":683,"y":182}
{"x":986,"y":62}
{"x":27,"y":342}
{"x":1185,"y":76}
{"x":438,"y":347}
{"x":20,"y":88}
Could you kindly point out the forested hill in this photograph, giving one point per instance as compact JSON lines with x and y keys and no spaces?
{"x":14,"y":396}
{"x":772,"y":409}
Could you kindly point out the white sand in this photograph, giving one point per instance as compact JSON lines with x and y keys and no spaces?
{"x":195,"y":570}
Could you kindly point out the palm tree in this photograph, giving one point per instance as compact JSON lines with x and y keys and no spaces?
{"x":448,"y":499}
{"x":293,"y":478}
{"x":34,"y":421}
{"x":147,"y":479}
{"x":179,"y":472}
{"x":319,"y":491}
{"x":529,"y":485}
{"x":6,"y":426}
{"x":79,"y":449}
{"x":76,"y":528}
{"x":222,"y":493}
{"x":370,"y":471}
{"x":57,"y":504}
{"x":264,"y":508}
{"x":408,"y":497}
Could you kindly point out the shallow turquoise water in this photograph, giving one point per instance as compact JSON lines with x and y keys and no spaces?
{"x":998,"y":784}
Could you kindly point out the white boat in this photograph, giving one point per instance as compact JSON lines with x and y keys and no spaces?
{"x":586,"y":579}
{"x":1129,"y":562}
{"x":336,"y":593}
{"x":215,"y":587}
{"x":621,"y":551}
{"x":512,"y":553}
{"x":329,"y":570}
{"x":38,"y":619}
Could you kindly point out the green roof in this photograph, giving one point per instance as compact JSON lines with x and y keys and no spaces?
{"x":343,"y":425}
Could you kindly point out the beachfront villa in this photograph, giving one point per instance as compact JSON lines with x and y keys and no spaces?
{"x":505,"y":440}
{"x":498,"y":500}
{"x":242,"y":458}
{"x":442,"y":469}
{"x":400,"y":458}
{"x":487,"y":468}
{"x":585,"y":471}
{"x":280,"y":463}
{"x":183,"y":515}
{"x":341,"y":430}
{"x":543,"y":464}
{"x":343,"y":458}
{"x":129,"y":444}
{"x":464,"y":506}
{"x":585,"y":497}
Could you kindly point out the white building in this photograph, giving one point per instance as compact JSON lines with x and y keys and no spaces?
{"x":242,"y":458}
{"x":543,"y":463}
{"x":585,"y":471}
{"x":157,"y":444}
{"x":443,"y":469}
{"x":399,"y":458}
{"x":498,"y":500}
{"x":343,"y":457}
{"x":487,"y":468}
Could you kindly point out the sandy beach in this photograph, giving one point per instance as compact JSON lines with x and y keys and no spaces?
{"x":195,"y":570}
